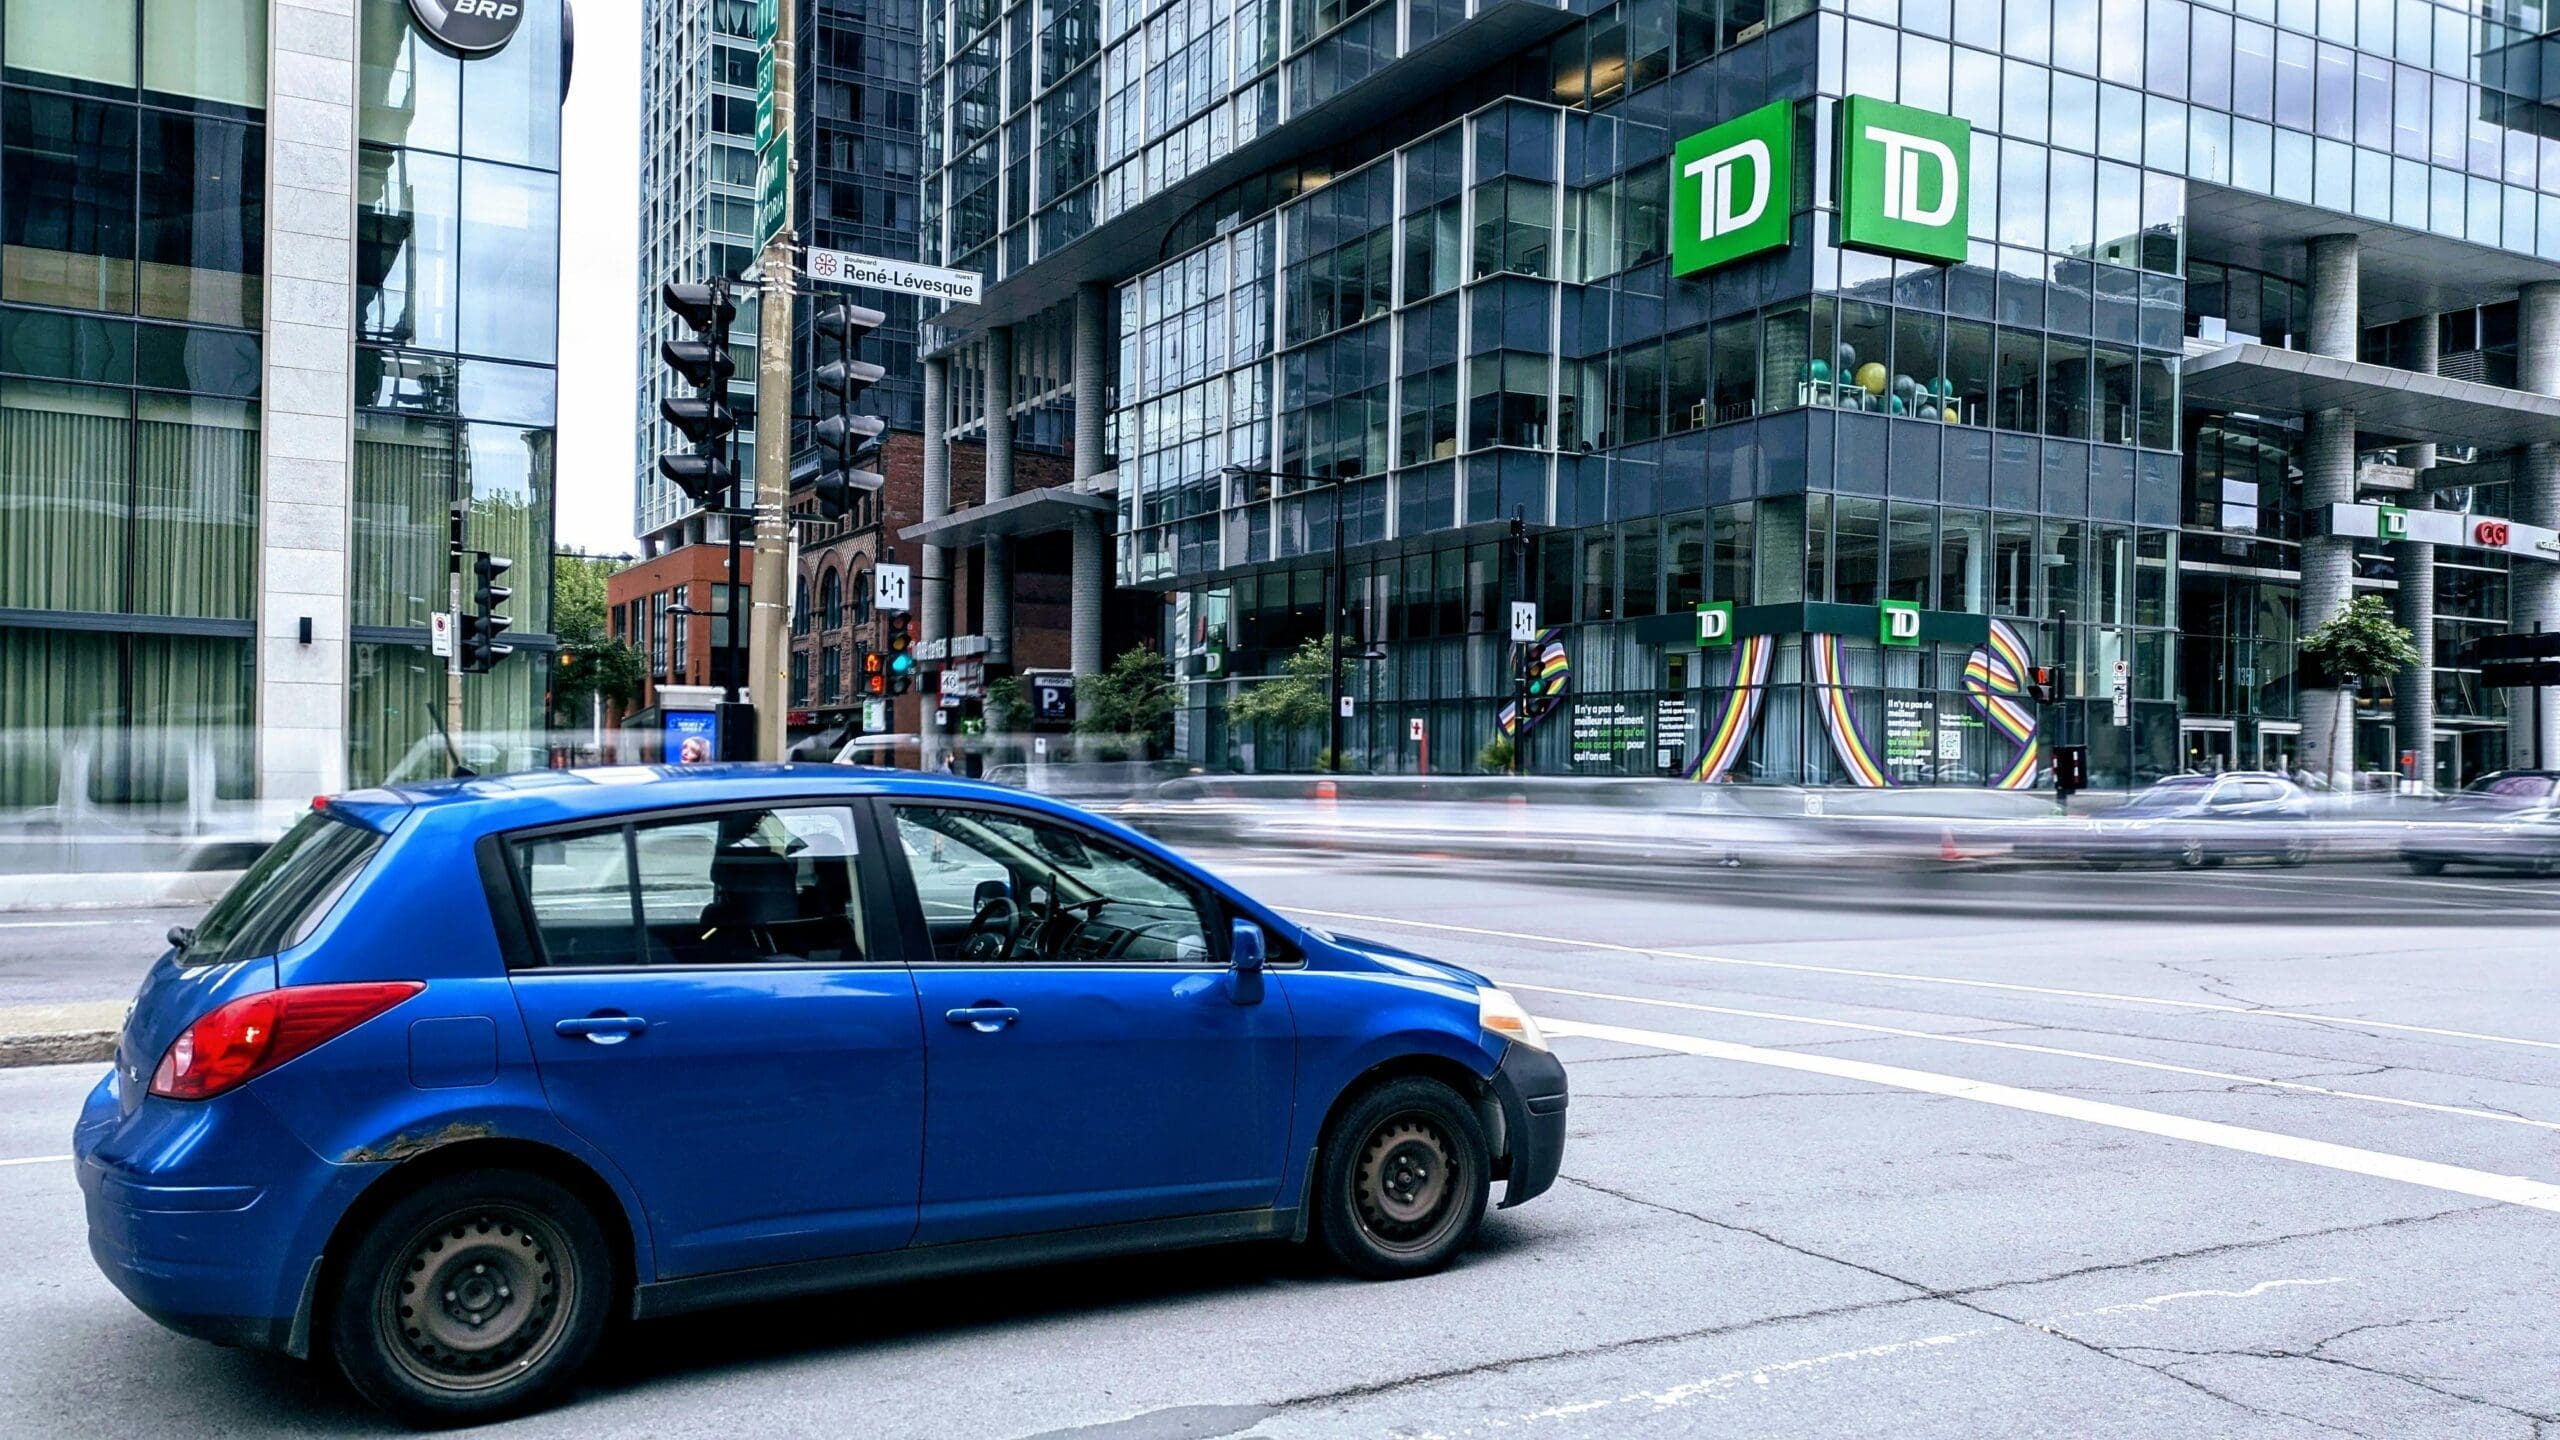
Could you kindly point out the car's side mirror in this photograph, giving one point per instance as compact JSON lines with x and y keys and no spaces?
{"x":989,"y":891}
{"x":1246,"y":951}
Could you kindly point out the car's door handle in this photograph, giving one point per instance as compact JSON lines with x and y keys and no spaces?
{"x":602,"y":1029}
{"x":985,"y":1019}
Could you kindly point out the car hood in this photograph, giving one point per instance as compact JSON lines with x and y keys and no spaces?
{"x":1404,"y":962}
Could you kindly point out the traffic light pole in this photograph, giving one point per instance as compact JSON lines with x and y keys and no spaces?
{"x":453,"y":637}
{"x":768,"y":647}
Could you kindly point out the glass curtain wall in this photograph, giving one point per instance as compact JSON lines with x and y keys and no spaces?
{"x":457,"y":261}
{"x":132,"y":234}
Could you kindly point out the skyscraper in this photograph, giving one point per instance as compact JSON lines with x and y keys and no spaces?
{"x":1933,"y":340}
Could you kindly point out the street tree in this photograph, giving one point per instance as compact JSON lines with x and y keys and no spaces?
{"x":591,"y":663}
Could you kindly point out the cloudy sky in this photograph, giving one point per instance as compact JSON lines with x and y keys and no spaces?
{"x":599,"y":276}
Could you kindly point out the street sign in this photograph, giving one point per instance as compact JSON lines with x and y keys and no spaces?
{"x":889,"y":584}
{"x":1413,"y":728}
{"x":2521,"y":675}
{"x":773,"y":188}
{"x":2513,"y":647}
{"x":1346,"y":707}
{"x":440,"y":634}
{"x":1053,"y":699}
{"x":2123,"y":693}
{"x":1524,"y":621}
{"x":875,"y":716}
{"x":934,"y":282}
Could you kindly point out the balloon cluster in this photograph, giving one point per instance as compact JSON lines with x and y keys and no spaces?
{"x":1866,"y":387}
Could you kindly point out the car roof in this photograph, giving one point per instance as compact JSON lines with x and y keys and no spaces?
{"x":543,"y":797}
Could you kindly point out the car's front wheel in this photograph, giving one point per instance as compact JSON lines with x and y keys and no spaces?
{"x":1402,"y":1179}
{"x":477,"y":1296}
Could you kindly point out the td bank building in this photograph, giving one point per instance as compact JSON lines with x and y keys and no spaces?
{"x":1817,"y":372}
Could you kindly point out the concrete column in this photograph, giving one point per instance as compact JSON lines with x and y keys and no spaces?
{"x":2413,"y":691}
{"x":998,"y":591}
{"x":307,"y":446}
{"x":2533,"y":587}
{"x":934,"y":565}
{"x":1091,"y":576}
{"x":2329,"y":477}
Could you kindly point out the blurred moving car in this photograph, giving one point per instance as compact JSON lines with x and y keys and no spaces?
{"x":2193,"y":821}
{"x":2510,"y":790}
{"x":2525,"y":839}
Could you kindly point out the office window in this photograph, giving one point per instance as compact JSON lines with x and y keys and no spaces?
{"x":90,"y":42}
{"x":69,"y":229}
{"x":203,"y":49}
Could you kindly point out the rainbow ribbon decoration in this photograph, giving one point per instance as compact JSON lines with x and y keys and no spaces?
{"x":1847,"y":740}
{"x":1548,"y":675}
{"x":1741,"y":710}
{"x":1995,"y":679}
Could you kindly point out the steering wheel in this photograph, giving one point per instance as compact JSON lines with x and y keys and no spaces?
{"x":984,"y":940}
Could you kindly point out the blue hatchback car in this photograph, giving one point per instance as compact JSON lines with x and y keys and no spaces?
{"x":459,"y":1071}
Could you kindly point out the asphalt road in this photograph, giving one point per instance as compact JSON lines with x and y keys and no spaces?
{"x":1835,"y":1169}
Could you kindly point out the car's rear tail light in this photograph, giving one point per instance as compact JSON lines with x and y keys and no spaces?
{"x":254,"y":1034}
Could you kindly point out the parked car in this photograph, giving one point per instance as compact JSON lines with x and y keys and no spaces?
{"x":459,"y":1070}
{"x":2198,"y":820}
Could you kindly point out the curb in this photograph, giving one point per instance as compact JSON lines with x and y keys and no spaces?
{"x":59,"y":1034}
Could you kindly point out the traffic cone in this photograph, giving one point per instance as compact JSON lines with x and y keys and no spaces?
{"x":1324,"y":794}
{"x":1947,"y":849}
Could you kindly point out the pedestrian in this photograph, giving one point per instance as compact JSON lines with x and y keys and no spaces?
{"x":950,"y":763}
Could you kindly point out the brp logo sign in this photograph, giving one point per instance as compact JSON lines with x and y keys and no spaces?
{"x":2492,"y":533}
{"x":1731,"y":189}
{"x":474,"y":27}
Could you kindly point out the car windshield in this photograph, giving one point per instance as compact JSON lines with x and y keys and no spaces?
{"x":2514,"y":787}
{"x":2180,"y":790}
{"x":290,"y":890}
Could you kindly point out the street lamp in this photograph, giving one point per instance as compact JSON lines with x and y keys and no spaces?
{"x":1333,"y":596}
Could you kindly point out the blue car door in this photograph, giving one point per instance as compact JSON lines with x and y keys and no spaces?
{"x":1087,"y":1062}
{"x":720,"y":1002}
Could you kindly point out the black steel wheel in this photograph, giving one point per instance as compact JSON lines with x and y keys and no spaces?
{"x":474,"y":1297}
{"x":1403,"y":1179}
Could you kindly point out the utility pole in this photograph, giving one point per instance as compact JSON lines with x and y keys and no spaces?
{"x":768,"y":643}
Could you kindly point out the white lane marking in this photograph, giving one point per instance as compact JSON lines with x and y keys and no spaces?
{"x":1676,"y":1396}
{"x":63,"y":924}
{"x":1799,"y":966}
{"x":2453,"y":1179}
{"x":1895,"y":1030}
{"x":37,"y":1160}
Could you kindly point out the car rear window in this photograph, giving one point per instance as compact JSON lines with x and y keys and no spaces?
{"x":289,"y":891}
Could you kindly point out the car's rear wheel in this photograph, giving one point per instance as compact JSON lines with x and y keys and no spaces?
{"x":477,"y":1296}
{"x":1402,"y":1180}
{"x":2425,"y":865}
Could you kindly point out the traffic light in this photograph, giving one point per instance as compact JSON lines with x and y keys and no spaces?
{"x":2044,"y":684}
{"x":875,"y":679}
{"x":848,"y":443}
{"x":705,"y":418}
{"x":2070,"y":770}
{"x":902,"y":659}
{"x":482,"y":624}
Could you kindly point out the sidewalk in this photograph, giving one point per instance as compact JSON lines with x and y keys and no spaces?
{"x":83,"y":1033}
{"x":66,"y":977}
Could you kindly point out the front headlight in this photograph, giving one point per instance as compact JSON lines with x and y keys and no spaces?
{"x":1498,"y":1012}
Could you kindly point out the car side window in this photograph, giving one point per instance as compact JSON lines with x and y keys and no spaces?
{"x":765,"y":885}
{"x":1000,"y":886}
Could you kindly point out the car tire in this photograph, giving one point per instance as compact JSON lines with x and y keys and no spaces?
{"x":2423,"y":866}
{"x":527,"y":1282}
{"x":1402,"y":1175}
{"x":2192,"y":855}
{"x":2295,"y":854}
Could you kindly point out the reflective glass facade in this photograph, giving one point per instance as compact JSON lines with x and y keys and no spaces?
{"x":1466,"y":312}
{"x":145,"y":300}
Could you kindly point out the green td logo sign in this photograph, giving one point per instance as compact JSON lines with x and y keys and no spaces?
{"x":1732,"y":189}
{"x":1902,"y":180}
{"x":1899,"y":624}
